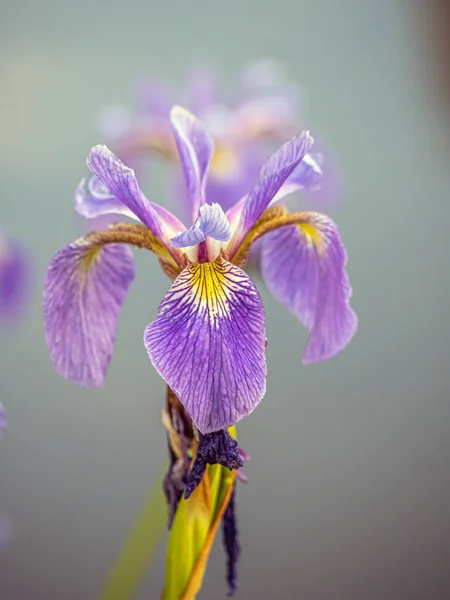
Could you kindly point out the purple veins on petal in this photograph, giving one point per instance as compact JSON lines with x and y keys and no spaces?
{"x":207,"y":343}
{"x":122,"y":183}
{"x":85,"y":287}
{"x":196,"y":147}
{"x":231,"y":543}
{"x":214,"y":448}
{"x":3,"y":421}
{"x":273,"y":175}
{"x":304,"y":267}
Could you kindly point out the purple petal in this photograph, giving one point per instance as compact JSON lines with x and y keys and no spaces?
{"x":308,"y":174}
{"x":195,"y":147}
{"x":212,"y":222}
{"x":208,"y":343}
{"x":202,"y":90}
{"x":85,"y":287}
{"x":272,"y":176}
{"x":153,"y":99}
{"x":93,"y":199}
{"x":3,"y":421}
{"x":304,"y":268}
{"x":122,"y":183}
{"x":14,"y":280}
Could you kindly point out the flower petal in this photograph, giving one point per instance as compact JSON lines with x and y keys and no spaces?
{"x":85,"y":287}
{"x":195,"y":147}
{"x":93,"y":199}
{"x":274,"y":173}
{"x":212,"y":222}
{"x":208,"y":343}
{"x":122,"y":183}
{"x":2,"y":419}
{"x":303,"y":266}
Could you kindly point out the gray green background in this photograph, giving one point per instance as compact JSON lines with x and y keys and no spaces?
{"x":349,"y":480}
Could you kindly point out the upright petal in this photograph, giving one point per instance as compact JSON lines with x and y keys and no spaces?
{"x":272,"y":176}
{"x":85,"y":287}
{"x":122,"y":183}
{"x":212,"y":222}
{"x":304,"y":267}
{"x":208,"y":343}
{"x":195,"y":147}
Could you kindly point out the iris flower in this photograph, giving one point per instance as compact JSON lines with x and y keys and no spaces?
{"x":208,"y":339}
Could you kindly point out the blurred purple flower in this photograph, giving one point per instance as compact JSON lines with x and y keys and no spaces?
{"x":3,"y":421}
{"x":14,"y":278}
{"x":247,"y":127}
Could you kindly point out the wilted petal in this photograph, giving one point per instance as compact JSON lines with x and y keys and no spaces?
{"x":217,"y":448}
{"x":122,"y":183}
{"x":14,"y":279}
{"x":272,"y":176}
{"x":85,"y":287}
{"x":2,"y":419}
{"x":195,"y":147}
{"x":212,"y":222}
{"x":208,"y":343}
{"x":304,"y":267}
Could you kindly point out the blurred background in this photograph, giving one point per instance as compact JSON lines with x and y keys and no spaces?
{"x":349,"y":493}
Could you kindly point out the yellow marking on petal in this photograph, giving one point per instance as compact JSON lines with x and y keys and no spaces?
{"x":274,"y":218}
{"x":212,"y":286}
{"x":223,"y":162}
{"x":312,"y":235}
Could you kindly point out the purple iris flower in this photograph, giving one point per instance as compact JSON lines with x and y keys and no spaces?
{"x":208,"y":339}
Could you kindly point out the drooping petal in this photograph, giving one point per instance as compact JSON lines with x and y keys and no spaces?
{"x":85,"y":287}
{"x":308,"y":175}
{"x":195,"y":147}
{"x":212,"y":222}
{"x":93,"y":199}
{"x":122,"y":183}
{"x":14,"y":280}
{"x":304,"y":267}
{"x":208,"y":343}
{"x":2,"y":419}
{"x":274,"y":173}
